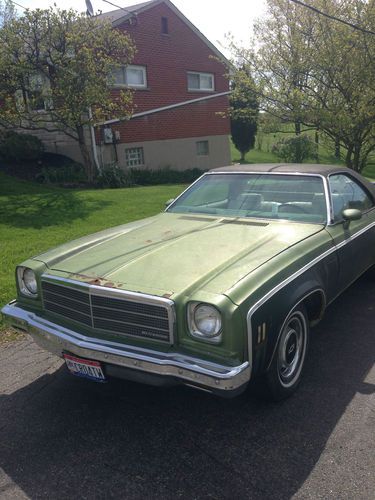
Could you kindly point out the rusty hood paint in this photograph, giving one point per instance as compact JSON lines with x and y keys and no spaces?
{"x":173,"y":254}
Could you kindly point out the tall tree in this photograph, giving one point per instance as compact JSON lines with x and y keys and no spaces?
{"x":55,"y":68}
{"x":7,"y":12}
{"x":315,"y":71}
{"x":244,"y":109}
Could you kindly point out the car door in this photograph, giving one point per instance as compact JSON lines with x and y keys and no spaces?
{"x":355,"y":241}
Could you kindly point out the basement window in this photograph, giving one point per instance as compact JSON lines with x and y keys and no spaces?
{"x":134,"y":157}
{"x":202,"y":148}
{"x":200,"y":81}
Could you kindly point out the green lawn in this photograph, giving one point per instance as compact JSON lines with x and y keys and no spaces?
{"x":34,"y":218}
{"x":263,"y":154}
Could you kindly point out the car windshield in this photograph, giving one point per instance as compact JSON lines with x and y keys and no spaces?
{"x":298,"y":198}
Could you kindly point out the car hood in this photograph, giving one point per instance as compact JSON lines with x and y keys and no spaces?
{"x":171,"y":254}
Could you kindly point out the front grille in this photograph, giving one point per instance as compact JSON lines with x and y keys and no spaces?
{"x":110,"y":311}
{"x":68,"y":302}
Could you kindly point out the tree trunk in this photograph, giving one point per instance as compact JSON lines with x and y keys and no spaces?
{"x":87,"y":161}
{"x":297,"y":127}
{"x":348,"y":158}
{"x":242,"y":156}
{"x":317,"y":145}
{"x":356,"y":164}
{"x":337,"y":149}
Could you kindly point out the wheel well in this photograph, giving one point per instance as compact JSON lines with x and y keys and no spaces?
{"x":315,"y":305}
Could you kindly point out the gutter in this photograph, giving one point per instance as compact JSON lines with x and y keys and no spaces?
{"x":164,"y":108}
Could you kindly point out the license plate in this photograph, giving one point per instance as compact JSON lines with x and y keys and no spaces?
{"x":84,"y":368}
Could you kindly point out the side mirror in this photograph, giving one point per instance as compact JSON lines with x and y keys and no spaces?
{"x":169,"y":202}
{"x":350,"y":214}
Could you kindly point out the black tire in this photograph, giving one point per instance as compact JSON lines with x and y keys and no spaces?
{"x":285,"y":371}
{"x":370,"y":273}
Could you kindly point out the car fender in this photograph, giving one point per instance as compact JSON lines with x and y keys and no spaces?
{"x":265,"y":318}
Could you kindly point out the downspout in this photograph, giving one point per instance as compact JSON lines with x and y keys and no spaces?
{"x":93,"y":143}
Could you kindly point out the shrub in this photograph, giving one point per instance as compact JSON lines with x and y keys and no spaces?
{"x":112,"y":176}
{"x":19,"y":148}
{"x":166,"y":175}
{"x":72,"y":173}
{"x":295,"y":149}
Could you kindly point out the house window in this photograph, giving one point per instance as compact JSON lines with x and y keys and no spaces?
{"x":164,"y":25}
{"x":36,"y":101}
{"x":202,"y":148}
{"x":200,"y":81}
{"x":130,"y":76}
{"x":134,"y":157}
{"x":37,"y":98}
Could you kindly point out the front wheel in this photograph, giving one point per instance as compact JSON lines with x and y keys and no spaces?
{"x":284,"y":374}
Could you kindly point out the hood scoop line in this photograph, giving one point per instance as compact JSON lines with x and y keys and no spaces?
{"x":244,"y":222}
{"x":197,"y":218}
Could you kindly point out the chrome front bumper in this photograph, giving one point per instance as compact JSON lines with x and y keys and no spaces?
{"x":184,"y":369}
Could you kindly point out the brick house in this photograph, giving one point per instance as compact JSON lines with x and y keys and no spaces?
{"x":180,"y":90}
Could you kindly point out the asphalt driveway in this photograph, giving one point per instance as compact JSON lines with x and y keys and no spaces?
{"x":62,"y":437}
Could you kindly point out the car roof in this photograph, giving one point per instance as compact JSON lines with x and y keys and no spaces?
{"x":296,"y":168}
{"x":303,"y":168}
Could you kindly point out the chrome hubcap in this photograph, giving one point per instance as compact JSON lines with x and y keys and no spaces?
{"x":292,"y":348}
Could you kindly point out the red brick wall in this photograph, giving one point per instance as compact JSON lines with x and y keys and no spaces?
{"x":167,"y":59}
{"x":193,"y":120}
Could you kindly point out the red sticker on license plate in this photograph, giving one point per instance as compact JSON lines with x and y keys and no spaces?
{"x":85,"y":368}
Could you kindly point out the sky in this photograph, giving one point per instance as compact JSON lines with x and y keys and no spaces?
{"x":214,"y":18}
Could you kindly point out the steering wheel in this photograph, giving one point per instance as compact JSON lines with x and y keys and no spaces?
{"x":291,"y":208}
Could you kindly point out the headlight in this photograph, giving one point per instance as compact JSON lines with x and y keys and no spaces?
{"x":204,"y":321}
{"x":27,"y":281}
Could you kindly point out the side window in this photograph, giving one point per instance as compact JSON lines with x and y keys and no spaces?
{"x":347,"y":193}
{"x":129,"y":76}
{"x":200,"y":81}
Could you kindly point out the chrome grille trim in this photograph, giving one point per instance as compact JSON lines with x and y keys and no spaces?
{"x":110,"y":310}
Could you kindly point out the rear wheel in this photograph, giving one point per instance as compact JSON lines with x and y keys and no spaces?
{"x":371,"y":272}
{"x":284,"y":374}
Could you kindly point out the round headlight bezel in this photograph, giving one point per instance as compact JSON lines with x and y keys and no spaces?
{"x":27,"y":282}
{"x":195,"y":323}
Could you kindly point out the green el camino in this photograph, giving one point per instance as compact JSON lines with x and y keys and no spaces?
{"x":218,"y":290}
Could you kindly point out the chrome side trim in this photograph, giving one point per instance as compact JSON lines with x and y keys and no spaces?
{"x":102,"y":291}
{"x":295,"y":275}
{"x":354,"y":236}
{"x":188,"y":369}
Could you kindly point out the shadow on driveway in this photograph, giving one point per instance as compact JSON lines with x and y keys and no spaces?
{"x":61,"y":437}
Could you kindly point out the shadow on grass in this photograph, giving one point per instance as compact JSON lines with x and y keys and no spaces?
{"x":39,"y":210}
